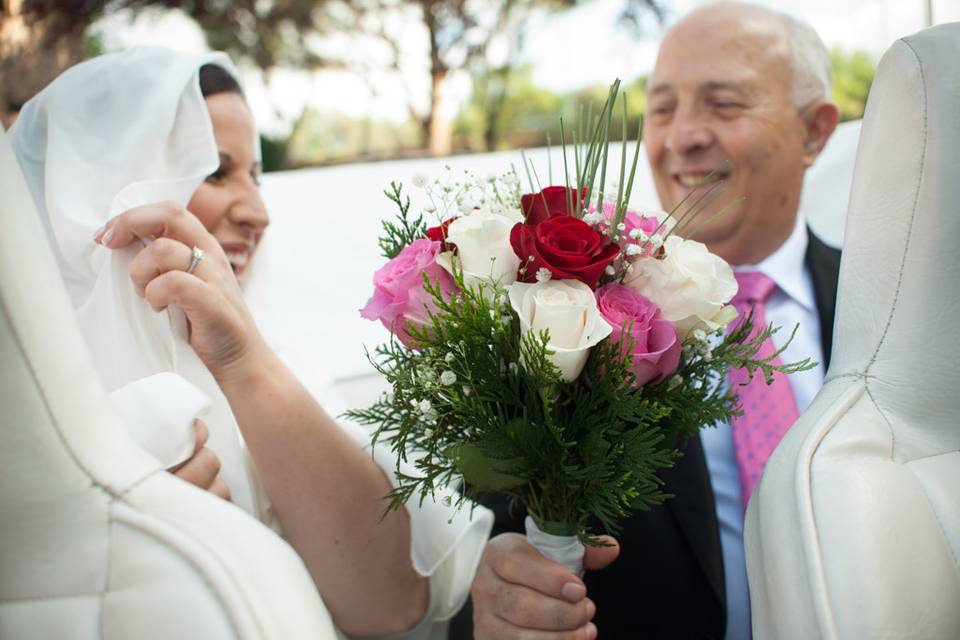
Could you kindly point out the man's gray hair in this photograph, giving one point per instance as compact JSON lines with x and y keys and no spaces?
{"x":810,"y":62}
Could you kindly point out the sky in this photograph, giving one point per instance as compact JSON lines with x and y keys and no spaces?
{"x":580,"y":47}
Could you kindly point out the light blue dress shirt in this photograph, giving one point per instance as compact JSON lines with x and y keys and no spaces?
{"x":792,"y":303}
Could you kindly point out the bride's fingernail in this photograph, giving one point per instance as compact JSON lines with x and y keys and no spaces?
{"x":96,"y":234}
{"x":105,"y":241}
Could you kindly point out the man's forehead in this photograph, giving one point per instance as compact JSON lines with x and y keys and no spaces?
{"x":733,"y":78}
{"x":718,"y":60}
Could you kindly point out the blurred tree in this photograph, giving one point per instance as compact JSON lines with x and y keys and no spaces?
{"x":304,"y":34}
{"x":522,"y":110}
{"x":528,"y":113}
{"x":265,"y":33}
{"x":852,"y":76}
{"x":496,"y":92}
{"x":33,"y":50}
{"x":637,"y":15}
{"x":331,"y":137}
{"x":41,"y":38}
{"x":273,"y":153}
{"x":459,"y":34}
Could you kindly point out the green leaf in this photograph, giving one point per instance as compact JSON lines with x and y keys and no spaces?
{"x":482,"y":472}
{"x":398,"y":236}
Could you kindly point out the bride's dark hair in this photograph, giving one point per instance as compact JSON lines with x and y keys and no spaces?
{"x":215,"y":79}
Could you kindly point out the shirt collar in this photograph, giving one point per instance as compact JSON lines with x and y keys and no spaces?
{"x":786,"y":267}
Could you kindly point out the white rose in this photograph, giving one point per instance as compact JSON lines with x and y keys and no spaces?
{"x":690,"y":285}
{"x":483,"y":247}
{"x":568,"y":310}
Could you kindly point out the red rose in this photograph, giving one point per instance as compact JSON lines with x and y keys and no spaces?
{"x":439,"y":233}
{"x":549,"y":203}
{"x":566,"y":246}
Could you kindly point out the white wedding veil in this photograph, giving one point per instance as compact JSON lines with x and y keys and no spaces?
{"x":117,"y":132}
{"x":128,"y":129}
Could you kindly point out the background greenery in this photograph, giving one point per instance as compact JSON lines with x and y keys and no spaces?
{"x":506,"y":110}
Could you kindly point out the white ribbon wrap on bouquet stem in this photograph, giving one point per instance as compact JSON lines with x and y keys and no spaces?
{"x":565,"y":550}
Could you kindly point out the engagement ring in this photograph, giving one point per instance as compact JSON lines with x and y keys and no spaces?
{"x":195,"y":259}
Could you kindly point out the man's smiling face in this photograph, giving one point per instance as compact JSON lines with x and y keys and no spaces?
{"x":720,"y":97}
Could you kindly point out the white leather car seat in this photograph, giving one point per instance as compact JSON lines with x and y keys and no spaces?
{"x":96,"y":540}
{"x":854,"y":529}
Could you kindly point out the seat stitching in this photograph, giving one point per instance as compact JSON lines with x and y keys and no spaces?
{"x":913,"y":213}
{"x":906,"y":244}
{"x":856,"y":375}
{"x":886,"y":420}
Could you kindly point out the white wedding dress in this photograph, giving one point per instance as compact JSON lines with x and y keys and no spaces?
{"x":124,"y":130}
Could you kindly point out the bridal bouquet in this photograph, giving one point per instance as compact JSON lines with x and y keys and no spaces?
{"x":553,"y":345}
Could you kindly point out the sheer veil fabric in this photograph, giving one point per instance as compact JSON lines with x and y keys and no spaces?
{"x":129,"y":129}
{"x":114,"y":133}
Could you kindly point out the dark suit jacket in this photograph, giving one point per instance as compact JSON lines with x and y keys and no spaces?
{"x":668,"y":581}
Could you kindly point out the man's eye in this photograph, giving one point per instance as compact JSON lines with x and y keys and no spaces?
{"x":217,"y":175}
{"x":256,"y":177}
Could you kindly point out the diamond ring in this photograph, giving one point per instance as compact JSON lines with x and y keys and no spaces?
{"x":195,"y":259}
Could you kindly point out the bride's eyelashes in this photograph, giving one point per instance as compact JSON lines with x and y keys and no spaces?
{"x":226,"y":167}
{"x":217,"y":175}
{"x":226,"y":162}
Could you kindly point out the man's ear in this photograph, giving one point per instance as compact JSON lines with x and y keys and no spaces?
{"x":819,"y":120}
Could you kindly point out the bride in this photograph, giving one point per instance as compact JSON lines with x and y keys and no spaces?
{"x":145,"y":168}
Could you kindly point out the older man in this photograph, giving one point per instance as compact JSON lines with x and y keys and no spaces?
{"x":746,"y":89}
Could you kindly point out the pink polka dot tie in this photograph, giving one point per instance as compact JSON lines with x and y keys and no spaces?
{"x":768,"y":411}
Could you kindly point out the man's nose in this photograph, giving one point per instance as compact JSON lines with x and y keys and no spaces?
{"x":689,"y":132}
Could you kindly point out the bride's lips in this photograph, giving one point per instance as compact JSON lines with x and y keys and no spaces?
{"x":238,"y":253}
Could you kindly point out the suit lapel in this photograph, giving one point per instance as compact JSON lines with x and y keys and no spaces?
{"x":823,"y":262}
{"x":693,"y":509}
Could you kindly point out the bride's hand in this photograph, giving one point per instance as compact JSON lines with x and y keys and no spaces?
{"x":222,"y":331}
{"x":202,"y":468}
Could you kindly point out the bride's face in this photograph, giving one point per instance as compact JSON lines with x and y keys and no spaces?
{"x":228,"y":203}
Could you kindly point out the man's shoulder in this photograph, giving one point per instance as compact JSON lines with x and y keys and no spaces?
{"x":820,"y":252}
{"x":823,"y":262}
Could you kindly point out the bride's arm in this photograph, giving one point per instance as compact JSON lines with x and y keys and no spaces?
{"x":326,"y":491}
{"x":328,"y":496}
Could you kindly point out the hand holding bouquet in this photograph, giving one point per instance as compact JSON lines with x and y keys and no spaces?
{"x":555,"y":346}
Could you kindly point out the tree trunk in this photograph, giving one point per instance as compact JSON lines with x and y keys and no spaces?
{"x":438,"y":131}
{"x":28,"y":58}
{"x":439,"y":128}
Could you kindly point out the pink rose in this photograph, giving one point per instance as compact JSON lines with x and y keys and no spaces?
{"x":399,"y":297}
{"x":656,"y":353}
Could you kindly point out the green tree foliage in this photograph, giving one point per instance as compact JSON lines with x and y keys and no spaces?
{"x":526,"y":114}
{"x":852,"y":76}
{"x":267,"y":34}
{"x":506,"y":107}
{"x":297,"y":34}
